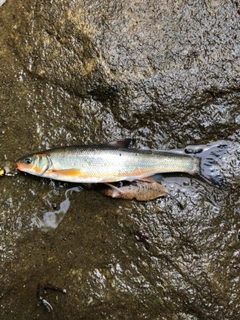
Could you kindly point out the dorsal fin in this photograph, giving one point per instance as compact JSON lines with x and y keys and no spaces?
{"x":125,"y":143}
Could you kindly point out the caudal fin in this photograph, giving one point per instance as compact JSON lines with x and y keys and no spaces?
{"x":210,"y":154}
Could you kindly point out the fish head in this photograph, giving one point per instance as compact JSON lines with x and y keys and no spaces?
{"x":36,"y":164}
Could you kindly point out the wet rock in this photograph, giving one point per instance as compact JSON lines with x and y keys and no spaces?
{"x":166,"y":73}
{"x":158,"y":66}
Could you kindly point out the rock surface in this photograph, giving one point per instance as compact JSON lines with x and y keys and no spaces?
{"x":165,"y":73}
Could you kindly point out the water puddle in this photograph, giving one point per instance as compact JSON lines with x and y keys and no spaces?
{"x":51,"y":219}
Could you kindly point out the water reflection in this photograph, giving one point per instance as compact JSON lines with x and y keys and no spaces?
{"x":51,"y":219}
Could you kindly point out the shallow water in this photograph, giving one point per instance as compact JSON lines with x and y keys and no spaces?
{"x":117,"y":259}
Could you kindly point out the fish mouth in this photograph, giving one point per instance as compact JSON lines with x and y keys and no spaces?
{"x":21,"y":166}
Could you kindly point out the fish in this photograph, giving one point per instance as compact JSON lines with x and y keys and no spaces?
{"x":139,"y":190}
{"x":119,"y":161}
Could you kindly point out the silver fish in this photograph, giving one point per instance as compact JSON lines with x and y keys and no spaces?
{"x":118,"y":161}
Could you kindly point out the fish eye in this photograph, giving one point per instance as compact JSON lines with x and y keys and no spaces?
{"x":28,"y":160}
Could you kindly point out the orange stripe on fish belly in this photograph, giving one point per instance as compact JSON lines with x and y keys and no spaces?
{"x":66,"y":172}
{"x":73,"y":173}
{"x":102,"y":176}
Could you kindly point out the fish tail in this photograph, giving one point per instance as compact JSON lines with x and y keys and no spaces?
{"x":209,"y":155}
